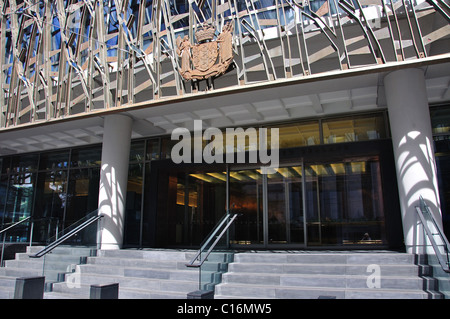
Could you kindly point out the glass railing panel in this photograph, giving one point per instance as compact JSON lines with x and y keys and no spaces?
{"x":214,"y":255}
{"x":442,"y":277}
{"x":11,"y":236}
{"x":61,"y":264}
{"x":436,"y":234}
{"x":210,"y":272}
{"x":82,"y":238}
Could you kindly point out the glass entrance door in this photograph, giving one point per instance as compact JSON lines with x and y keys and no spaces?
{"x":246,"y":198}
{"x":301,"y":205}
{"x":271,"y":207}
{"x":285,"y":222}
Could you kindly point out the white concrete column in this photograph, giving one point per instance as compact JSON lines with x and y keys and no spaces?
{"x":113,"y":179}
{"x":412,"y":140}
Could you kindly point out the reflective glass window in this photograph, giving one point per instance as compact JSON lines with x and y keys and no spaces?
{"x":3,"y":192}
{"x":24,"y":163}
{"x":54,"y":160}
{"x":153,"y":152}
{"x":86,"y":157}
{"x":440,"y":120}
{"x":19,"y":200}
{"x":82,"y":193}
{"x":6,"y":161}
{"x":137,"y":151}
{"x":353,"y":129}
{"x":345,"y":204}
{"x":133,"y":205}
{"x":302,"y":134}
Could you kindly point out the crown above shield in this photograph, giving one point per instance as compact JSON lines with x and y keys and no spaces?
{"x":205,"y":33}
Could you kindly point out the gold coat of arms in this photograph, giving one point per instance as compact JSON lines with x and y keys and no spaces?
{"x":208,"y":57}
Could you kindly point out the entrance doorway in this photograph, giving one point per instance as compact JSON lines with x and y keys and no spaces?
{"x":271,"y":207}
{"x":302,"y":204}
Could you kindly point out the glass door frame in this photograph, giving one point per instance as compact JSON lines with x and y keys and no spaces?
{"x":265,"y":207}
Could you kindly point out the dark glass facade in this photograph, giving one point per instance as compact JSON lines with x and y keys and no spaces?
{"x":440,"y":121}
{"x":335,"y":188}
{"x":57,"y":188}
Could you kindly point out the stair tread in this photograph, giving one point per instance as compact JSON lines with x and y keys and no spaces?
{"x":246,"y":274}
{"x":161,"y":273}
{"x":243,"y":286}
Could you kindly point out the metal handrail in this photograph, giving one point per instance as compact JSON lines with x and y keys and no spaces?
{"x":14,"y":225}
{"x":66,"y":236}
{"x":444,"y":261}
{"x":231,"y":218}
{"x":4,"y":231}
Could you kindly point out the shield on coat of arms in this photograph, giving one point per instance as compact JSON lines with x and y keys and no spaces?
{"x":205,"y":55}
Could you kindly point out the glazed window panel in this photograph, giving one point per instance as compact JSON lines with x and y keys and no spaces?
{"x":137,"y":151}
{"x":345,"y":204}
{"x":19,"y":202}
{"x":304,"y":134}
{"x":153,"y":151}
{"x":133,"y":204}
{"x":56,"y":160}
{"x":353,"y":129}
{"x":440,"y":120}
{"x":82,"y":193}
{"x":86,"y":157}
{"x":3,"y":192}
{"x":6,"y":161}
{"x":24,"y":163}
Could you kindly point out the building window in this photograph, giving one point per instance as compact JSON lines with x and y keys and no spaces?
{"x":353,"y":129}
{"x":57,"y":188}
{"x":299,"y":134}
{"x":440,"y":123}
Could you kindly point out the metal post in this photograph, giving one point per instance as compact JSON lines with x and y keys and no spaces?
{"x":31,"y":232}
{"x":3,"y":249}
{"x":29,"y":288}
{"x":110,"y":291}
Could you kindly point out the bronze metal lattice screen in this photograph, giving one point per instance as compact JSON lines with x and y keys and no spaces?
{"x":60,"y":58}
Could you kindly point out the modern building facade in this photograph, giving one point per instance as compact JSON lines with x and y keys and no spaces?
{"x":359,"y":91}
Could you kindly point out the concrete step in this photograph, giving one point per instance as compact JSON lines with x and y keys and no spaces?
{"x":314,"y":274}
{"x":320,"y":280}
{"x":230,"y":291}
{"x":6,"y":292}
{"x":20,"y":272}
{"x":139,"y":273}
{"x":60,"y":260}
{"x":156,"y":273}
{"x":325,"y":258}
{"x":81,"y":284}
{"x":328,"y":269}
{"x":62,"y":250}
{"x":157,"y":254}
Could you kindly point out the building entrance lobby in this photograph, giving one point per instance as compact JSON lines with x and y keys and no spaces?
{"x":305,"y":204}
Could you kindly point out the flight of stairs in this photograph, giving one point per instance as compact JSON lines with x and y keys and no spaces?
{"x":162,"y":274}
{"x":59,"y":261}
{"x":340,"y":275}
{"x":149,"y":274}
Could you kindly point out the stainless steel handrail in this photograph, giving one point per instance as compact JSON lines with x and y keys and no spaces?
{"x":66,"y":236}
{"x":444,"y":261}
{"x":4,"y":231}
{"x":14,"y":225}
{"x":231,"y":218}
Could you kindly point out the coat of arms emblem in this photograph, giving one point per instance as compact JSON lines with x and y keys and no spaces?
{"x":208,"y":57}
